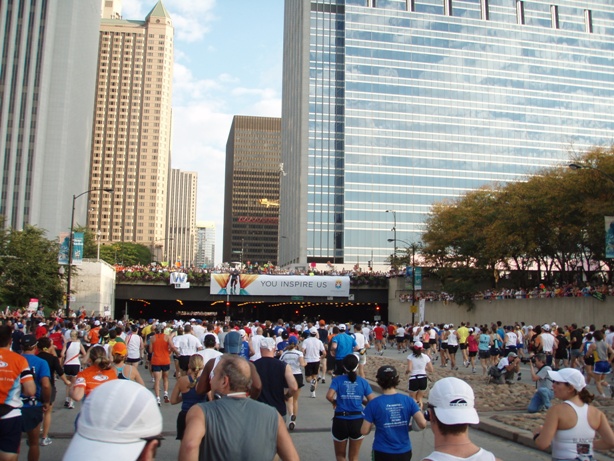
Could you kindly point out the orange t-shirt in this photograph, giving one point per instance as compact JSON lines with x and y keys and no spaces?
{"x":160,"y":353}
{"x":95,"y":335}
{"x":14,"y":370}
{"x":92,"y":377}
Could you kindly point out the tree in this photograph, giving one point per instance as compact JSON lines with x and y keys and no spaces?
{"x":29,"y":268}
{"x":125,"y":254}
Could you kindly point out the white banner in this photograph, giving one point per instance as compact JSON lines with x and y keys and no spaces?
{"x":279,"y":285}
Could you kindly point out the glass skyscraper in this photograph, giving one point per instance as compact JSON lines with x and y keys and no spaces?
{"x":397,"y":104}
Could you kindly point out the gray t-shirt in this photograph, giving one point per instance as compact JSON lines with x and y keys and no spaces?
{"x":544,"y":380}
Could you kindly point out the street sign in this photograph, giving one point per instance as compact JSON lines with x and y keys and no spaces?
{"x":413,"y":309}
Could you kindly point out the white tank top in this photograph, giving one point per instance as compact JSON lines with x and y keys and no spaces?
{"x":481,"y":455}
{"x":72,"y":353}
{"x":576,"y":442}
{"x":452,"y":338}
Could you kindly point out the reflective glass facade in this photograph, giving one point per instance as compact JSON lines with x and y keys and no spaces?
{"x":409,"y":102}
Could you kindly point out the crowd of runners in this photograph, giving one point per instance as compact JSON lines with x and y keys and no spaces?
{"x":172,"y":357}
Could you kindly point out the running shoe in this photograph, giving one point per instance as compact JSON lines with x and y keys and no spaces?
{"x":46,"y":441}
{"x":313,"y":385}
{"x":313,"y":394}
{"x":519,"y":377}
{"x":158,"y":401}
{"x":71,"y":406}
{"x":467,"y":363}
{"x":66,"y":403}
{"x":166,"y":399}
{"x":473,"y":370}
{"x":291,"y":426}
{"x":324,"y":382}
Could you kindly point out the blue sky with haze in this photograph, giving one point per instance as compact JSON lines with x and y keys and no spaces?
{"x":228,"y":61}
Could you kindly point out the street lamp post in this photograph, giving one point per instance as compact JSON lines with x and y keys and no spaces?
{"x":584,"y":166}
{"x":394,"y":230}
{"x":70,"y":243}
{"x":412,"y":247}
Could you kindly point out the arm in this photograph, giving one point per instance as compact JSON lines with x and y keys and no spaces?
{"x":419,"y":419}
{"x":137,"y":376}
{"x":333,"y":349}
{"x":409,"y":367}
{"x":195,"y":430}
{"x":429,"y":367}
{"x":176,"y":396}
{"x":606,"y":440}
{"x":46,"y":392}
{"x":256,"y":389}
{"x":290,"y":380}
{"x":366,"y":427}
{"x":547,"y":431}
{"x":77,"y":393}
{"x":331,"y":396}
{"x":285,"y":446}
{"x":28,"y":388}
{"x":301,"y":360}
{"x":204,"y":385}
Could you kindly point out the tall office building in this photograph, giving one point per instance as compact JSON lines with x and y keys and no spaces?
{"x":47,"y":80}
{"x":131,"y":145}
{"x":181,"y":236}
{"x":251,"y":201}
{"x":205,"y":244}
{"x":395,"y":104}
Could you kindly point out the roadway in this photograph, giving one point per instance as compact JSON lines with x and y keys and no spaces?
{"x":311,"y":437}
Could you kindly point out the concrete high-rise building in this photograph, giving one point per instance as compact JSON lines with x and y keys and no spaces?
{"x":396,"y":104}
{"x":47,"y":80}
{"x":181,"y":236}
{"x":205,"y":244}
{"x":251,"y":201}
{"x":131,"y":145}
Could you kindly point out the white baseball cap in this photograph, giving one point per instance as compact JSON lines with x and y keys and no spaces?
{"x":342,"y":327}
{"x":313,"y":330}
{"x":453,"y":400}
{"x":115,"y":421}
{"x":569,"y":376}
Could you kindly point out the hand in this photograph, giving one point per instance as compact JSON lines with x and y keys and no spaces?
{"x":46,"y":407}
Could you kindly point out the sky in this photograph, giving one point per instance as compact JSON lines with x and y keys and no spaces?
{"x":228,"y":61}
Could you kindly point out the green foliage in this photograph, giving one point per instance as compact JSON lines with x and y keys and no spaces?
{"x":125,"y":254}
{"x":554,"y":222}
{"x":29,"y":268}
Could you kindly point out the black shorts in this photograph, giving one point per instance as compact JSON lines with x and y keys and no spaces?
{"x":444,"y":346}
{"x":473,"y":353}
{"x":129,"y":360}
{"x":432,"y":341}
{"x":31,"y":417}
{"x":381,"y":456}
{"x":10,"y":434}
{"x":158,"y":368}
{"x":418,"y":383}
{"x":299,"y":380}
{"x":181,"y":424}
{"x":72,"y":370}
{"x":426,"y":346}
{"x":339,"y":370}
{"x":312,"y":368}
{"x":463,"y":346}
{"x":184,"y":361}
{"x":344,"y":429}
{"x":484,"y":354}
{"x":400,"y":339}
{"x":452,"y":349}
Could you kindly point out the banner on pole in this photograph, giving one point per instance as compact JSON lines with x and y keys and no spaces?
{"x":279,"y":285}
{"x":609,"y":237}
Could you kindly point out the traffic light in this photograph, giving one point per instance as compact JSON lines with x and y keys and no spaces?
{"x":227,"y":303}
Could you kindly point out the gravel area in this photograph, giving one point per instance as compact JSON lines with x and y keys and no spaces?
{"x":508,"y":401}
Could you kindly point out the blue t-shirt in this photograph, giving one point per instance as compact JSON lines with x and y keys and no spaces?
{"x":345,"y":345}
{"x":350,"y":395}
{"x":391,"y":415}
{"x":40,"y":369}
